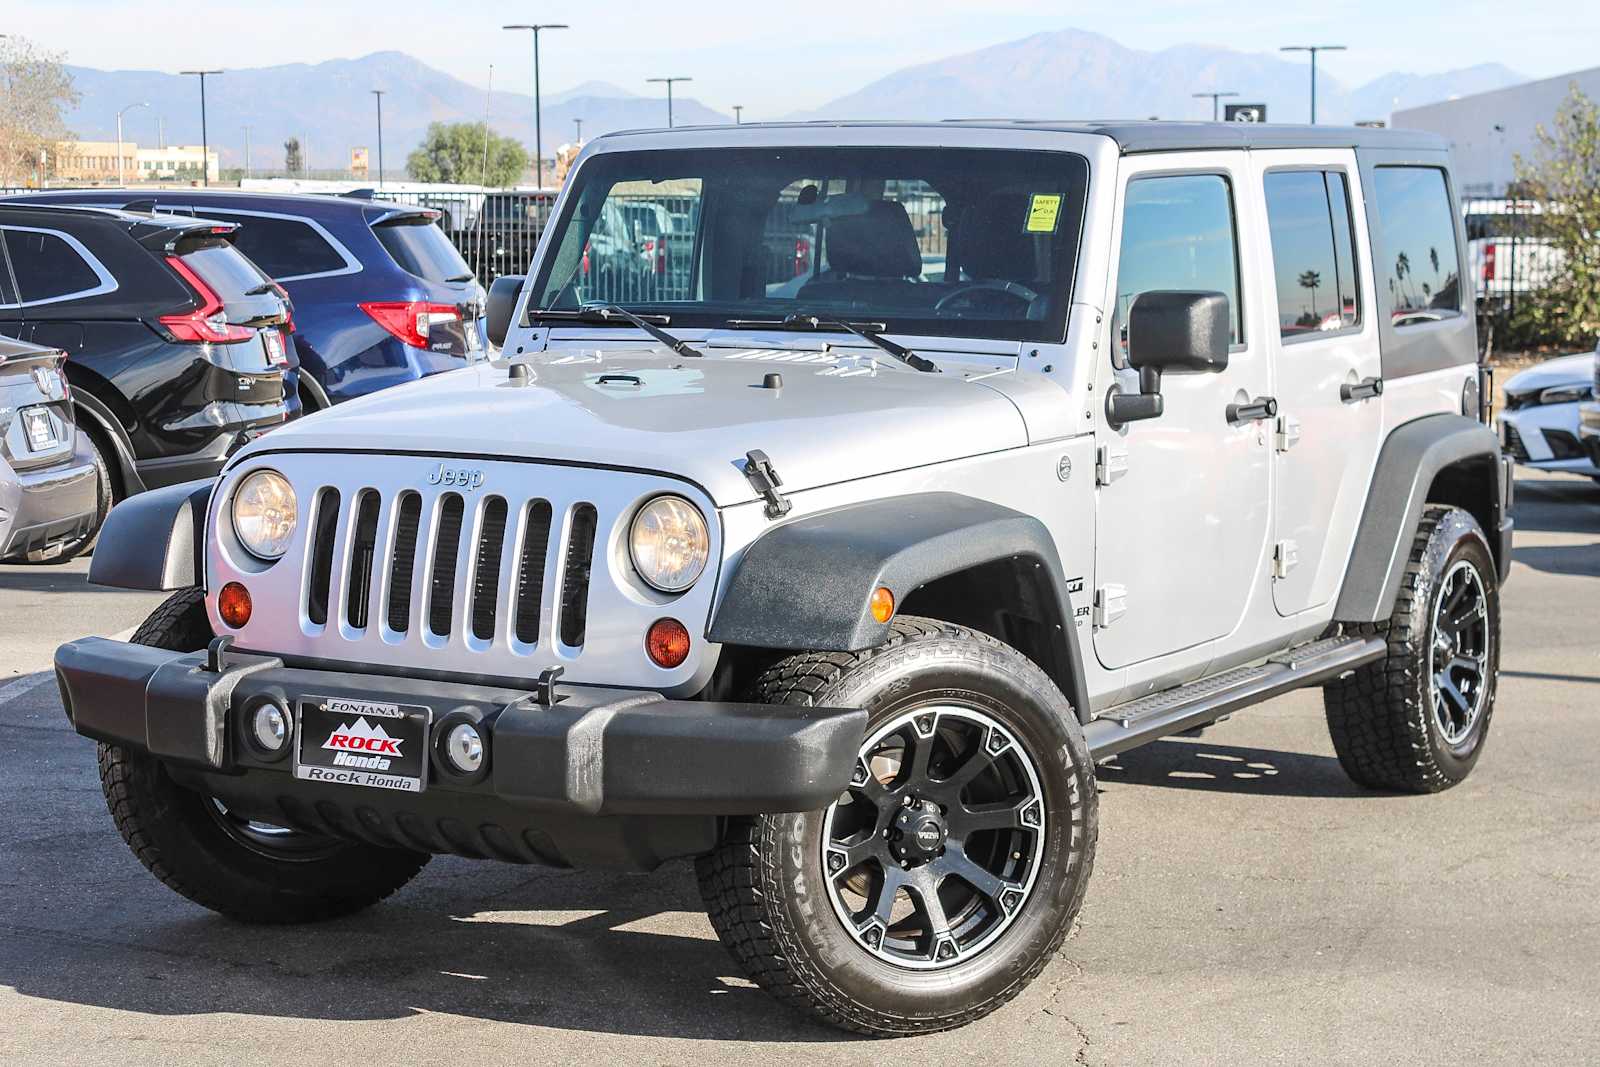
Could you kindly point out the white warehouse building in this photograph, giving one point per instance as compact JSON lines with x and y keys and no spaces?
{"x":1487,"y":131}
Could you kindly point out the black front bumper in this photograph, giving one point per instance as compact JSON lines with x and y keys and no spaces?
{"x":600,"y":777}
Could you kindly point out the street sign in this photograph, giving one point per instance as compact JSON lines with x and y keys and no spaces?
{"x":1244,"y":112}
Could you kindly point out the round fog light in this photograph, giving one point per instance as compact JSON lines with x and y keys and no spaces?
{"x":269,"y":728}
{"x":463,"y":747}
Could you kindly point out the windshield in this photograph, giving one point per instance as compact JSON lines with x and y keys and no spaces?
{"x":937,"y":241}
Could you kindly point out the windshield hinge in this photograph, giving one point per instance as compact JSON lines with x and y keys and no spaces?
{"x":764,"y":479}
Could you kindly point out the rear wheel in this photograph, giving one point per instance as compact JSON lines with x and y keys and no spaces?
{"x":247,"y":869}
{"x":1416,"y":720}
{"x":944,"y":878}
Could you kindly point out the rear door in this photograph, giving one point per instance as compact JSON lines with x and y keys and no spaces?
{"x":1325,"y":353}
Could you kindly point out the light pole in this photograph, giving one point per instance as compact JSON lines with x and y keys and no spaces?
{"x":738,"y":114}
{"x":247,"y":151}
{"x":205,"y":142}
{"x":1313,"y":49}
{"x":127,"y":108}
{"x":578,"y":130}
{"x":1214,"y":98}
{"x":378,"y":95}
{"x":668,"y":82}
{"x":538,"y":117}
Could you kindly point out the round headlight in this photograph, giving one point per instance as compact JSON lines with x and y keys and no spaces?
{"x":669,"y":543}
{"x":265,"y":513}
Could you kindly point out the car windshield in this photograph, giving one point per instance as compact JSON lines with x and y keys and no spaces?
{"x":933,"y":241}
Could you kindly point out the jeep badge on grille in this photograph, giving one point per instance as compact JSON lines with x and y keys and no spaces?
{"x":468,"y":478}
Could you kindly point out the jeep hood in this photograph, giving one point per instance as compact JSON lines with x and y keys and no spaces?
{"x":832,"y":420}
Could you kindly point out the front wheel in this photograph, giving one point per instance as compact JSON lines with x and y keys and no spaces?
{"x":249,"y":870}
{"x":941,"y":882}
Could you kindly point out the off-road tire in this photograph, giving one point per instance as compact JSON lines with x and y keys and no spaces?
{"x":103,"y":501}
{"x":182,"y":837}
{"x":1381,"y":717}
{"x":764,"y":887}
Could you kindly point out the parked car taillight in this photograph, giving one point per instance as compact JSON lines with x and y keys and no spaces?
{"x":411,"y":321}
{"x":1488,"y":263}
{"x":207,"y":323}
{"x":802,"y":256}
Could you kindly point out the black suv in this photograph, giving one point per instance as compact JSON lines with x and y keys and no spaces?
{"x":175,"y":341}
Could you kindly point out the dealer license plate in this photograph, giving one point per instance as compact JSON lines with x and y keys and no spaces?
{"x":345,"y":741}
{"x":41,"y":430}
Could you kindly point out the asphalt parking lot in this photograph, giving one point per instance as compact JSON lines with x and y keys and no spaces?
{"x":1248,"y":904}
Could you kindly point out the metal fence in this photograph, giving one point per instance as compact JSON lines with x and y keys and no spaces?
{"x":1510,"y":252}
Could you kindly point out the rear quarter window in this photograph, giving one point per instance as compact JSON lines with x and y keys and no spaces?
{"x":1417,"y":261}
{"x":51,"y":266}
{"x":283,"y":248}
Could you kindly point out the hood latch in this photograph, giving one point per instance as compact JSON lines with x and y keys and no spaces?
{"x":764,"y":479}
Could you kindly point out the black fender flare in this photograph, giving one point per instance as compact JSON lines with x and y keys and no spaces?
{"x":1412,"y":457}
{"x":805,"y":585}
{"x":88,"y":406}
{"x":155,"y":540}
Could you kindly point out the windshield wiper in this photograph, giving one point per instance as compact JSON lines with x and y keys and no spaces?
{"x":867,"y":331}
{"x":604,"y":313}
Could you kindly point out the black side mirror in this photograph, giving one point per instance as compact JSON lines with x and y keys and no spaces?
{"x":500,"y":306}
{"x":1170,"y":330}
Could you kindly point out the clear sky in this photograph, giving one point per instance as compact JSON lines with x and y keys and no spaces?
{"x":776,"y":58}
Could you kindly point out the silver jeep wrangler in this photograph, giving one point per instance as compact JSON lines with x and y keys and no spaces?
{"x":840,"y":495}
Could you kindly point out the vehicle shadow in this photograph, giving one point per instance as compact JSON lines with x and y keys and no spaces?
{"x":579,"y":952}
{"x":1184,"y":763}
{"x":1557,"y":505}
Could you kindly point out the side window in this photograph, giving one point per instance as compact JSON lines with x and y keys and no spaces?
{"x":282,"y":248}
{"x":1308,"y":214}
{"x":48,"y":267}
{"x":1178,"y":233}
{"x":1417,"y":244}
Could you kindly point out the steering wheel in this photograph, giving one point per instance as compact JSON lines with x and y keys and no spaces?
{"x":1013,"y":290}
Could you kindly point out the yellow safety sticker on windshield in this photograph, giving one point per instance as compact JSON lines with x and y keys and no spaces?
{"x":1044,"y":213}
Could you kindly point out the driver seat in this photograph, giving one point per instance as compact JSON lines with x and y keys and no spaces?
{"x":989,"y":242}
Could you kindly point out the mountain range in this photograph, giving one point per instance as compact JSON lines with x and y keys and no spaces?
{"x":1062,"y":74}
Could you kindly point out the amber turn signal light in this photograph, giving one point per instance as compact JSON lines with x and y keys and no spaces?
{"x":233,"y":604}
{"x":881,"y":604}
{"x":667,"y":643}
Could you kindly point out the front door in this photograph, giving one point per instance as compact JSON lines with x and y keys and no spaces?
{"x":1325,"y":346}
{"x":1183,"y":508}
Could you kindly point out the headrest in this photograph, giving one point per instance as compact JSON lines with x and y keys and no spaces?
{"x":878,"y":243}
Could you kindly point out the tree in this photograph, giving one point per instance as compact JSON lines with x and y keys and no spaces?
{"x":1564,"y":174}
{"x":468,"y":153}
{"x":35,"y":93}
{"x":293,"y":159}
{"x":1310,"y":279}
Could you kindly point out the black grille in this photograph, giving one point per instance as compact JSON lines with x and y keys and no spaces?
{"x":362,"y":548}
{"x":443,"y":582}
{"x":1514,"y":445}
{"x":405,"y":559}
{"x":530,"y":572}
{"x":486,"y":573}
{"x":327,"y":528}
{"x":575,"y":576}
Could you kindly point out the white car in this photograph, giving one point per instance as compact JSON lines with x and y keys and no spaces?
{"x":1540,"y":422}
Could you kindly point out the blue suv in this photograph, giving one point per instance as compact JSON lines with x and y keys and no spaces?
{"x":380,"y":294}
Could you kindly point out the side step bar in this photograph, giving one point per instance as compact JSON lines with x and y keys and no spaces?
{"x":1171,"y":712}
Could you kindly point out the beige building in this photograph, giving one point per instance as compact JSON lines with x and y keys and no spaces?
{"x":96,"y":161}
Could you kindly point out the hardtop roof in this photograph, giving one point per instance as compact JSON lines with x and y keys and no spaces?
{"x":1134,"y":136}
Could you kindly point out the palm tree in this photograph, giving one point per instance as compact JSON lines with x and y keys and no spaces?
{"x":1311,"y":280}
{"x":1402,"y":267}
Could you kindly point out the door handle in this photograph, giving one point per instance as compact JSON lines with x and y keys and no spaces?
{"x":1365,"y":389}
{"x":1262,"y":407}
